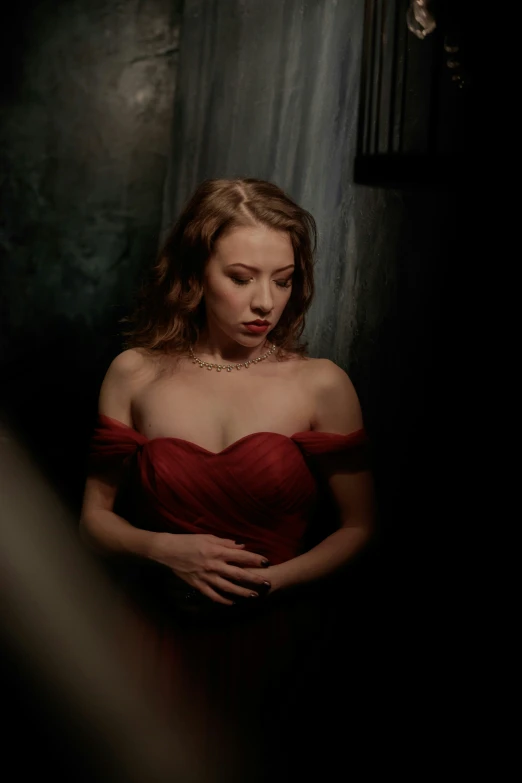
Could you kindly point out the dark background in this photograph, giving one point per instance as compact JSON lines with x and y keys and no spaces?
{"x":112,"y":112}
{"x":85,"y":129}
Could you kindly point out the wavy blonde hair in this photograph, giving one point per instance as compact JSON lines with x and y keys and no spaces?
{"x":170,"y":310}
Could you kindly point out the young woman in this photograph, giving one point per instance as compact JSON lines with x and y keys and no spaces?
{"x":228,"y":441}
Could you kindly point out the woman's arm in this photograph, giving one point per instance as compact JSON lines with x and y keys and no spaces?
{"x":337,"y":549}
{"x":100,"y":527}
{"x":103,"y":530}
{"x":337,"y":411}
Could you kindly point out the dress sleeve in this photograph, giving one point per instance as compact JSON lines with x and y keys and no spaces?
{"x":352,"y":449}
{"x":112,"y":444}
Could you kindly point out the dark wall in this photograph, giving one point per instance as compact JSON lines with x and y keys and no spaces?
{"x":85,"y":125}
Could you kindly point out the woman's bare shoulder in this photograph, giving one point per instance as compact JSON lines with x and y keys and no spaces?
{"x":126,"y":374}
{"x":128,"y":363}
{"x":326,"y":371}
{"x":336,"y":401}
{"x":311,"y":369}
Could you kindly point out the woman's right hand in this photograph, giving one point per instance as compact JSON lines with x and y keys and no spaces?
{"x":210,"y":563}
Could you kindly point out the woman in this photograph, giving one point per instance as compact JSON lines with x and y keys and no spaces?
{"x":229,"y":442}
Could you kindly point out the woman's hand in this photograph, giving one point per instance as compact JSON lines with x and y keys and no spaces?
{"x":271,"y":575}
{"x":209,"y":563}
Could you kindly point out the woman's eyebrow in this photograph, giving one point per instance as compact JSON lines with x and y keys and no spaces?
{"x":255,"y":269}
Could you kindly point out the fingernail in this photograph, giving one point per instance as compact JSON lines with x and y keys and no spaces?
{"x":267,"y":584}
{"x":254,"y":595}
{"x":265,"y":563}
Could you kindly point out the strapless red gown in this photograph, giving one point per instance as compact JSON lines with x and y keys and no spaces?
{"x":240,"y":668}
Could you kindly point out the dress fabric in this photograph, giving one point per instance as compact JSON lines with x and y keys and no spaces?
{"x":242,"y":670}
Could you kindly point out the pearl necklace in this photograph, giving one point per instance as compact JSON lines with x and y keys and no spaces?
{"x":230,"y":367}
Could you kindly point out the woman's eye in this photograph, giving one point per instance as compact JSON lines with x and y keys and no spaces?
{"x":279,"y":283}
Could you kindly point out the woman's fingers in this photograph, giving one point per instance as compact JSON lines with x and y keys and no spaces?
{"x":230,"y":587}
{"x":228,"y":542}
{"x":246,"y":559}
{"x":241,"y":575}
{"x":210,"y":593}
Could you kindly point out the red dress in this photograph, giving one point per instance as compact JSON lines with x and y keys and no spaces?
{"x":240,"y":668}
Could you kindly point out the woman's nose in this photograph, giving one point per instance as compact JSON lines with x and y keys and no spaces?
{"x":262,"y":299}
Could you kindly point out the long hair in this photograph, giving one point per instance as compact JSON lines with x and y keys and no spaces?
{"x":170,"y":311}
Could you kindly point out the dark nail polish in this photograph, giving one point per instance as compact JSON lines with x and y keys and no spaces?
{"x":265,"y":563}
{"x":254,"y":595}
{"x":267,"y":584}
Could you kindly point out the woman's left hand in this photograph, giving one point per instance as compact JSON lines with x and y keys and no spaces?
{"x":270,"y":575}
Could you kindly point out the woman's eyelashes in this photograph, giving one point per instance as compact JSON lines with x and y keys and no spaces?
{"x":245,"y":281}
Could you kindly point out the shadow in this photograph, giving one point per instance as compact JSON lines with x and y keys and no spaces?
{"x":49,"y":395}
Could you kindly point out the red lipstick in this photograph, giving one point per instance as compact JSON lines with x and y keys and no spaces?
{"x":258,"y":326}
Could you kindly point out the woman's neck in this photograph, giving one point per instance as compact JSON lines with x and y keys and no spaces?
{"x":223,"y":350}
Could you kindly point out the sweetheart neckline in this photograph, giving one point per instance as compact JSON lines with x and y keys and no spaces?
{"x":231,"y":445}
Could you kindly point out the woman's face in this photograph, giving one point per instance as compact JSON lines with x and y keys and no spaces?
{"x":248,"y":278}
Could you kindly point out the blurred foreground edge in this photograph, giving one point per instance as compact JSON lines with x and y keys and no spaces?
{"x":59,"y":621}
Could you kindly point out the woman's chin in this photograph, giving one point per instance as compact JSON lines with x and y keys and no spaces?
{"x":251,"y":340}
{"x":244,"y":337}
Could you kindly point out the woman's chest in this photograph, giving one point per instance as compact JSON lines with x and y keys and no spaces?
{"x":218,"y":411}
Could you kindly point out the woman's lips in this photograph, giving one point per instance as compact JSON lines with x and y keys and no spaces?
{"x":257,"y":328}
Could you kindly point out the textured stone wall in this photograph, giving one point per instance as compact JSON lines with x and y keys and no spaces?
{"x":85,"y":132}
